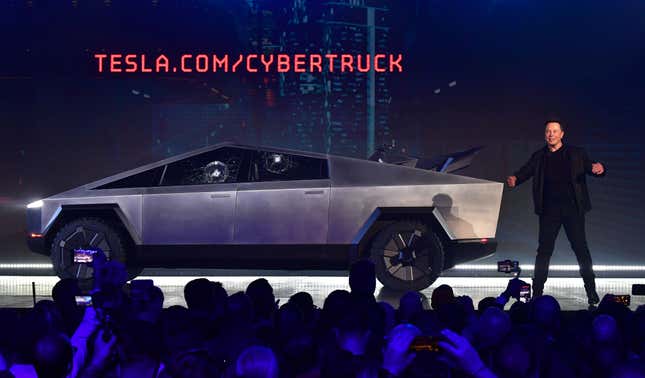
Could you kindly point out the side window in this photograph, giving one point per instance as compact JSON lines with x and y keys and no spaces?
{"x":275,"y":166}
{"x":224,"y":165}
{"x":144,"y":179}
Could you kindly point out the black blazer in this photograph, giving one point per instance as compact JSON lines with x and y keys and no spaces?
{"x":580,"y":165}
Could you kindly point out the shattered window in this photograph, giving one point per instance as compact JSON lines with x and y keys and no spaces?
{"x":277,"y":166}
{"x":223,"y":165}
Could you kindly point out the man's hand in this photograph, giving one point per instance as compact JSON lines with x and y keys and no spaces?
{"x":104,"y":348}
{"x":513,"y":288}
{"x":462,"y":353}
{"x":396,"y":354}
{"x":597,"y":168}
{"x":511,"y":181}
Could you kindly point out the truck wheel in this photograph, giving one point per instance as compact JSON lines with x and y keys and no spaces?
{"x":86,"y":233}
{"x":407,"y":256}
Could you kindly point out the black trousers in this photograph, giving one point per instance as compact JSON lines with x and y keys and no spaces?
{"x":574,"y":226}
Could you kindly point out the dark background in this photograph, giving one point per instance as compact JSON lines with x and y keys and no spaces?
{"x":475,"y":73}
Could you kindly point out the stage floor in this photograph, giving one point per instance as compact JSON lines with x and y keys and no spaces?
{"x":16,"y":291}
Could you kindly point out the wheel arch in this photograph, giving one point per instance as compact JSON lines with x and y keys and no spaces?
{"x":109,"y":212}
{"x":383,"y":216}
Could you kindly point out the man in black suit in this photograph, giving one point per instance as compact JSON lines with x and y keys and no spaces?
{"x":561,"y":199}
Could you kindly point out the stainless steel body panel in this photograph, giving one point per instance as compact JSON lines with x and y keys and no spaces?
{"x":469,"y":207}
{"x":469,"y":211}
{"x":128,"y":201}
{"x":282,"y":212}
{"x":200,"y":214}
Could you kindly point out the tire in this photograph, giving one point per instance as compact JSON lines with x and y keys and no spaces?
{"x":404,"y":266}
{"x":84,"y":233}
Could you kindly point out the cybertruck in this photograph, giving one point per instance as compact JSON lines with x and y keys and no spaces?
{"x":235,"y":206}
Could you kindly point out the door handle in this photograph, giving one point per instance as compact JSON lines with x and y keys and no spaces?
{"x":312,"y":192}
{"x":220,"y":196}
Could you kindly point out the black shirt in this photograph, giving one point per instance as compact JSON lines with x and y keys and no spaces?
{"x":558,"y":196}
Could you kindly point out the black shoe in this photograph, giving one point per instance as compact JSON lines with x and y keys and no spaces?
{"x":592,"y":298}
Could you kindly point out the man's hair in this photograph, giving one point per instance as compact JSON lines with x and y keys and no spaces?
{"x":53,"y":356}
{"x":554,"y":120}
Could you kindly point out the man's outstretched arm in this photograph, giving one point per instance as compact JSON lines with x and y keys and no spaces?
{"x":593,"y":168}
{"x":523,"y":174}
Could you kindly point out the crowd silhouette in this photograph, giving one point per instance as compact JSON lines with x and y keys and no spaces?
{"x":127,"y":332}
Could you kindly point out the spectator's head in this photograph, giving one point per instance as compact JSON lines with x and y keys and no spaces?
{"x":305,"y":303}
{"x":607,"y":345}
{"x":428,"y":323}
{"x":42,"y":320}
{"x":545,"y":313}
{"x":261,"y":294}
{"x":520,"y":313}
{"x":492,"y":327}
{"x":199,"y":295}
{"x":409,"y":306}
{"x":466,"y":303}
{"x":487,"y":302}
{"x":605,"y":329}
{"x":150,"y":307}
{"x":53,"y":356}
{"x":362,"y":278}
{"x":179,"y":329}
{"x":467,"y":306}
{"x":353,"y":331}
{"x":452,"y":316}
{"x":300,"y":354}
{"x":220,"y":298}
{"x":193,"y":363}
{"x":514,"y":357}
{"x":240,"y":309}
{"x":621,"y":313}
{"x":334,"y":308}
{"x":257,"y":362}
{"x":289,"y":320}
{"x":64,"y":294}
{"x":441,"y":296}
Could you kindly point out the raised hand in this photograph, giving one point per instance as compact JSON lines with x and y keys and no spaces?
{"x":462,"y":353}
{"x":397,"y":355}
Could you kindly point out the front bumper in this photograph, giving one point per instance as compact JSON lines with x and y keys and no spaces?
{"x":35,"y":240}
{"x":37,"y":244}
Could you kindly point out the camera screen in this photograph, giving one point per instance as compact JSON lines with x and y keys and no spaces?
{"x":83,"y":256}
{"x":425,"y":343}
{"x":508,"y":266}
{"x":83,"y":300}
{"x":623,"y":299}
{"x":525,"y":293}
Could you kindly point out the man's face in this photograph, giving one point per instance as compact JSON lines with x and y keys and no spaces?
{"x":553,"y":133}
